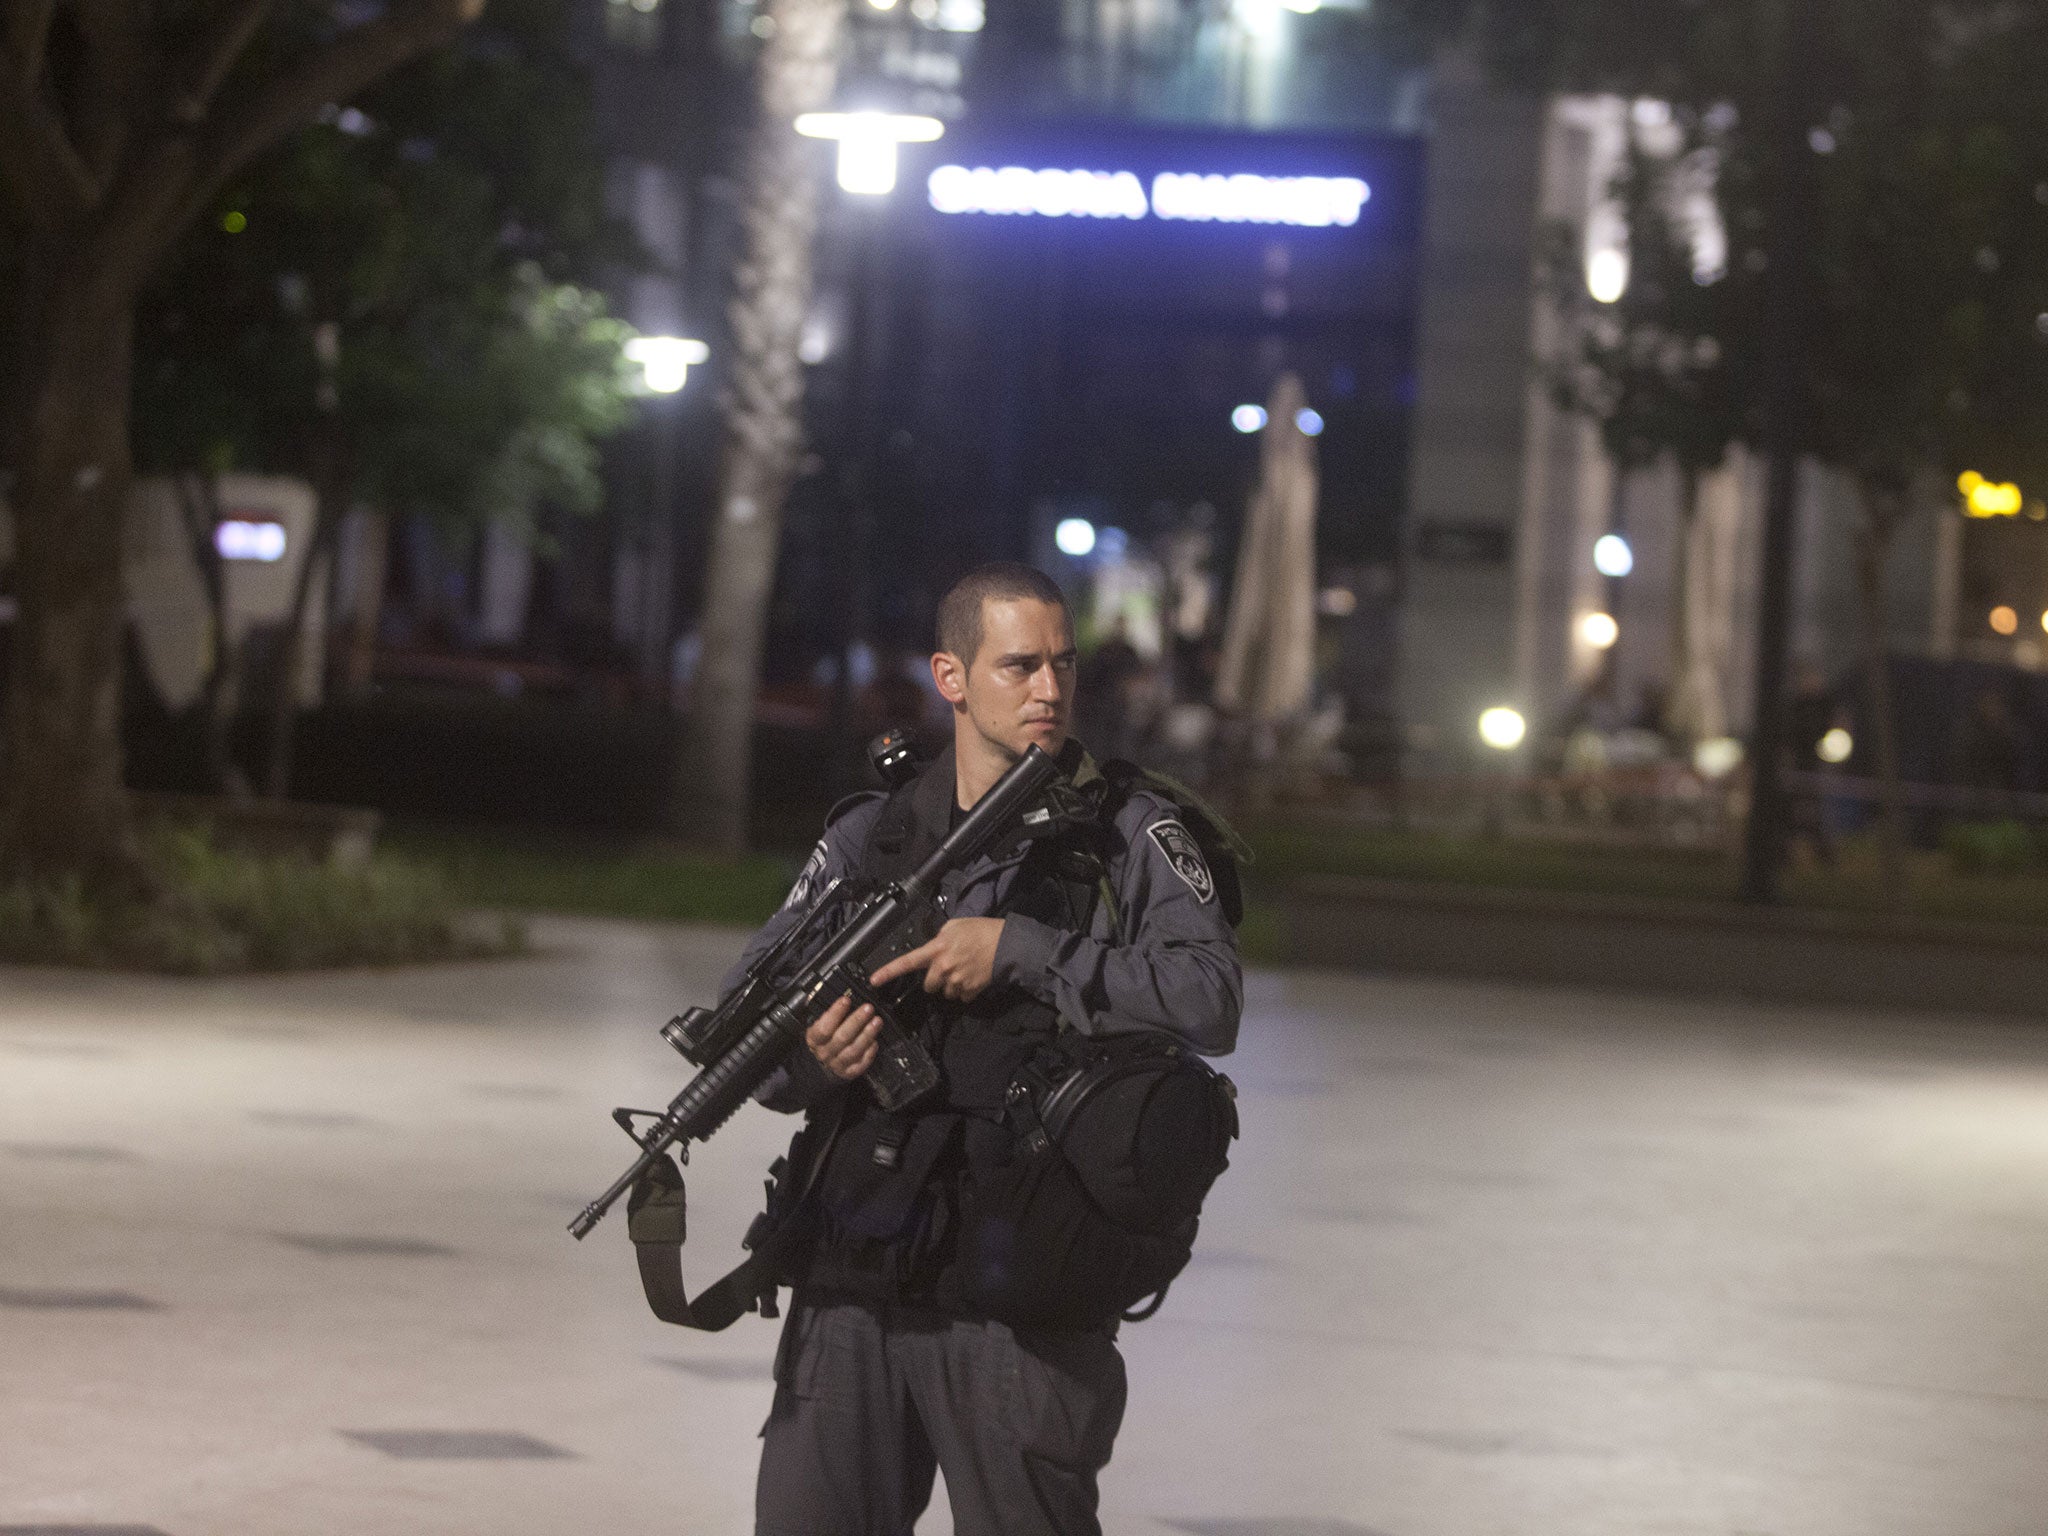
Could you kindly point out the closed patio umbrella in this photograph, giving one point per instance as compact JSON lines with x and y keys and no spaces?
{"x":1269,"y":638}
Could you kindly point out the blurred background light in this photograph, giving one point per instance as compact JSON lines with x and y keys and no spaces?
{"x":239,"y":539}
{"x":1261,"y":18}
{"x":1248,"y":418}
{"x":1310,"y":422}
{"x":1835,"y":746}
{"x":1502,"y":728}
{"x":1985,"y":498}
{"x":1075,"y":536}
{"x":665,"y":361}
{"x":867,"y":144}
{"x":1607,"y":276}
{"x":2005,"y":620}
{"x":234,"y":221}
{"x":1337,"y":602}
{"x":1112,"y":543}
{"x":1612,"y":556}
{"x":1599,"y":630}
{"x":1717,"y":757}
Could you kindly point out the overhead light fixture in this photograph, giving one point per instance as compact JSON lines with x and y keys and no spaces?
{"x":868,"y":142}
{"x":665,"y":361}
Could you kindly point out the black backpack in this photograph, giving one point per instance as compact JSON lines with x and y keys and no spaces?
{"x":1116,"y":1142}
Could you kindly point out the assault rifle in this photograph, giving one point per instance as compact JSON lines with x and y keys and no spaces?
{"x":742,"y":1041}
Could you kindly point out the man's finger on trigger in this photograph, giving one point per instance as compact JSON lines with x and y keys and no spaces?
{"x":903,"y":965}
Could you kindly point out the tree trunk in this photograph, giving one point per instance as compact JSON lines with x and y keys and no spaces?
{"x":366,"y":608}
{"x":284,"y":695}
{"x":761,"y":403}
{"x":1883,"y":511}
{"x":199,"y":505}
{"x":66,"y":809}
{"x":1683,"y":707}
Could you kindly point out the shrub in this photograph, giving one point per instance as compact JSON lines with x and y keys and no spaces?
{"x":213,"y":910}
{"x":1989,"y":847}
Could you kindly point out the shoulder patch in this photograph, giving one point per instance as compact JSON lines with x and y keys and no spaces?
{"x":806,"y":881}
{"x":1185,"y":856}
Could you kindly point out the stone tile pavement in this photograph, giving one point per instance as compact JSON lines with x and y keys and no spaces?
{"x":287,"y":1255}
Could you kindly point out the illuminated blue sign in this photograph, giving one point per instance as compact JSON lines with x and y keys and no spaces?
{"x":1310,"y":202}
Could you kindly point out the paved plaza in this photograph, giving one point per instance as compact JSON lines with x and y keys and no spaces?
{"x":286,"y":1255}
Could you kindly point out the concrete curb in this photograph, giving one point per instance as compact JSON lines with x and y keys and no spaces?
{"x":1695,"y":949}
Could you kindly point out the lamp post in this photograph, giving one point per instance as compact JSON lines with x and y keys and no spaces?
{"x":868,"y":143}
{"x":665,"y":363}
{"x":867,"y":169}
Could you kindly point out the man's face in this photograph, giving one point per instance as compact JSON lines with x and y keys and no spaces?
{"x":1018,"y":691}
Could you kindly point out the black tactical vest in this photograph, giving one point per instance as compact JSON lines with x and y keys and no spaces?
{"x":889,"y":1199}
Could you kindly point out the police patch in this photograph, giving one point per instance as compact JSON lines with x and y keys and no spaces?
{"x":1185,"y":855}
{"x":800,"y":893}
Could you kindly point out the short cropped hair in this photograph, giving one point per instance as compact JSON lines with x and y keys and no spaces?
{"x":960,"y":609}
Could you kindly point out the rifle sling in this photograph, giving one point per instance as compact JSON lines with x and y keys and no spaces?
{"x":655,"y":1220}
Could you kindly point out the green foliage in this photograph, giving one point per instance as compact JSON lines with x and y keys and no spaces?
{"x":1915,"y":135}
{"x":1657,"y":369}
{"x":1991,"y":847}
{"x":219,"y":911}
{"x":525,"y":873}
{"x":441,"y":233}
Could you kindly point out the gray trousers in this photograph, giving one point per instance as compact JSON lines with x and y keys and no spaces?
{"x":869,"y":1402}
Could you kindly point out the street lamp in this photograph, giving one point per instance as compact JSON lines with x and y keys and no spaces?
{"x":867,"y":144}
{"x":665,"y":361}
{"x":1502,"y":728}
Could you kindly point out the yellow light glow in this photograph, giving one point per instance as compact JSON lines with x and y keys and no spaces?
{"x":2004,"y":620}
{"x":1599,"y":630}
{"x":1836,"y":746}
{"x":2044,"y":621}
{"x":1502,"y":729}
{"x":234,"y":223}
{"x":1987,"y":498}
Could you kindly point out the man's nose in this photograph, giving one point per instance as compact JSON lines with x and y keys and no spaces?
{"x":1045,"y":684}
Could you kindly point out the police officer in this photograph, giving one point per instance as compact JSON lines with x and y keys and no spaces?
{"x":884,"y":1373}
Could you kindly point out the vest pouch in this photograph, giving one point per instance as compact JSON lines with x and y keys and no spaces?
{"x":878,"y":1171}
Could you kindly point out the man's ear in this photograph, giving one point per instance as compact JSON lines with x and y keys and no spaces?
{"x":950,"y":674}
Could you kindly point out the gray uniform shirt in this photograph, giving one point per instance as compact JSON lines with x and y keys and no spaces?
{"x":1175,"y":966}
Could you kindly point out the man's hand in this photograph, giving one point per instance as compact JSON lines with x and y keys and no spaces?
{"x":958,"y":964}
{"x":845,"y":1038}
